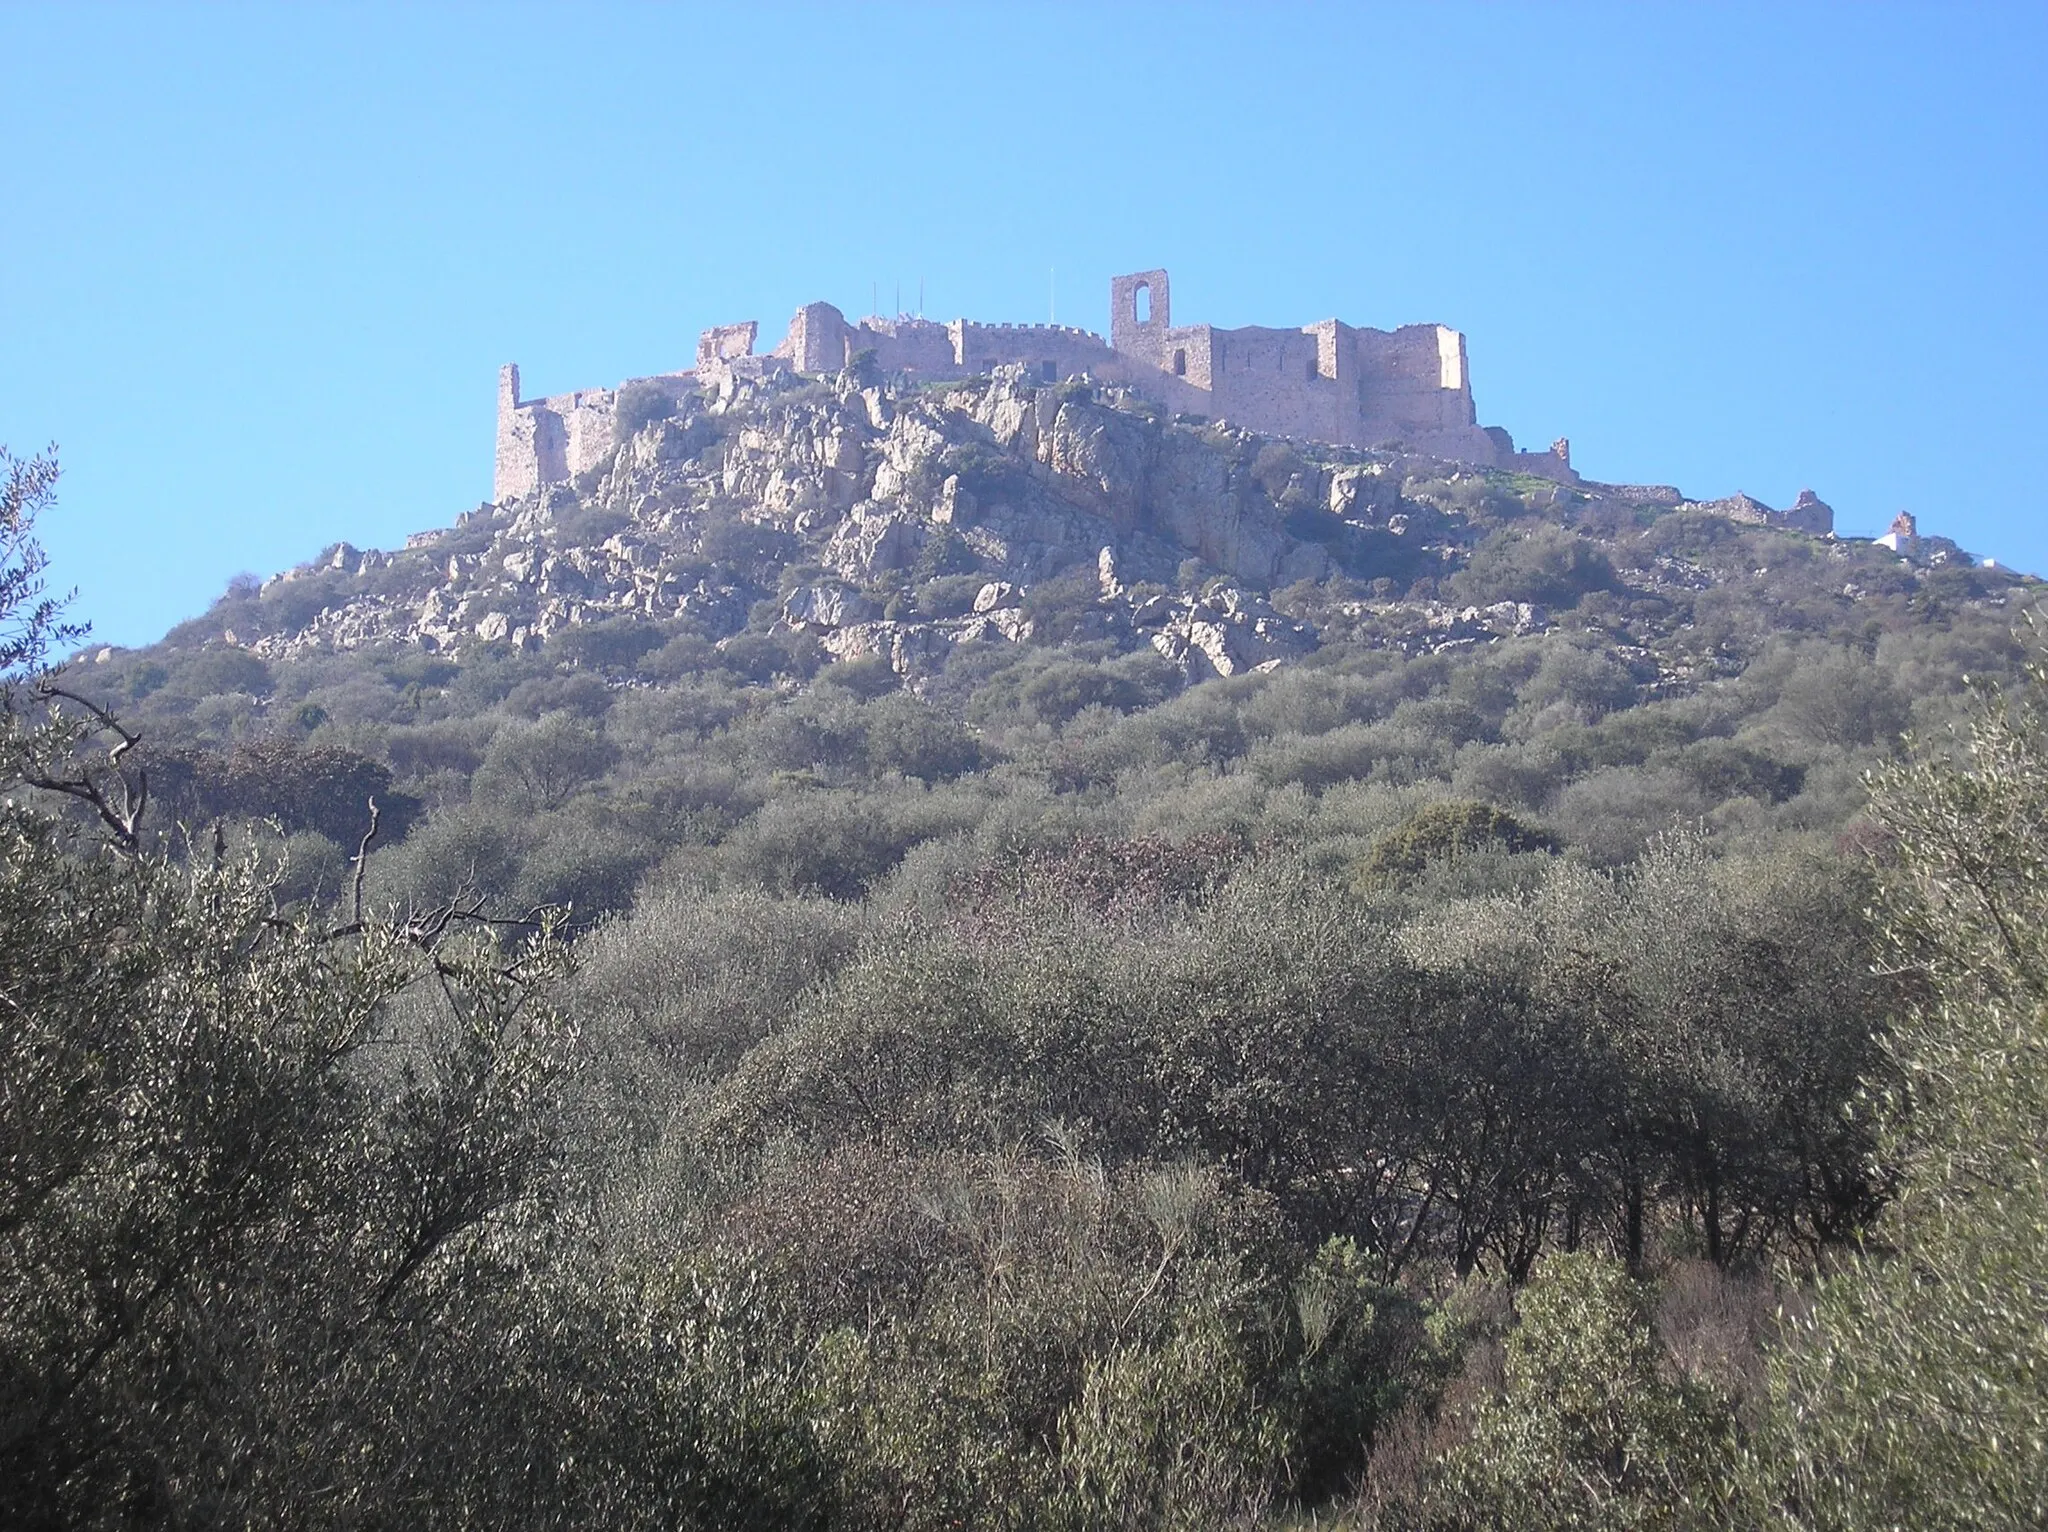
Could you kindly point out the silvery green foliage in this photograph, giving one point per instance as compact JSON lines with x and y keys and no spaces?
{"x":1592,"y":1427}
{"x":1915,"y":1392}
{"x":31,"y":621}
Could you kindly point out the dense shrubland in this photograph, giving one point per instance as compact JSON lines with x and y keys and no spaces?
{"x":1476,"y":1089}
{"x":633,"y":749}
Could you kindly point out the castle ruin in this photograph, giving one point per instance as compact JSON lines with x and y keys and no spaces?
{"x":1329,"y":382}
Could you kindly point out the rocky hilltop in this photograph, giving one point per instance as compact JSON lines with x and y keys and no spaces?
{"x":901,"y":521}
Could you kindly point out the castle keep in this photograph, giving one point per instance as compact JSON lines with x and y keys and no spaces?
{"x":1327,"y":382}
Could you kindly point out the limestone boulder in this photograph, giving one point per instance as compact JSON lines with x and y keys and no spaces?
{"x":908,"y":471}
{"x":667,"y":442}
{"x":1199,"y":502}
{"x":908,"y":647}
{"x":1103,"y":459}
{"x":994,"y":595}
{"x":1229,"y":633}
{"x":1152,"y":612}
{"x":1009,"y":411}
{"x":955,"y":504}
{"x":873,"y":540}
{"x":827,"y":606}
{"x":1009,"y":622}
{"x":1365,"y":493}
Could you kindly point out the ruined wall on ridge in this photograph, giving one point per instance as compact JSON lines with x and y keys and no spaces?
{"x":1328,"y":381}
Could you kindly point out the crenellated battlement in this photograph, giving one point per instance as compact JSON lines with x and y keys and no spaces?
{"x":1328,"y":381}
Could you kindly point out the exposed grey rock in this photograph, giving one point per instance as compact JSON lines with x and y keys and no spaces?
{"x":872,"y":492}
{"x":955,"y":505}
{"x":1151,"y":612}
{"x":827,"y":606}
{"x":1105,"y":574}
{"x":997,"y":593}
{"x":872,"y":541}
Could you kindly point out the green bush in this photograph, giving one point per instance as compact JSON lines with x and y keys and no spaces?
{"x":835,"y":843}
{"x":1172,"y":1438}
{"x":1546,"y":565}
{"x":1592,"y":1426}
{"x":866,"y":678}
{"x":948,"y":595}
{"x":1444,"y":830}
{"x":1909,"y":1393}
{"x":639,"y":405}
{"x":540,"y":765}
{"x":326,"y":789}
{"x":212,"y":671}
{"x":617,"y":644}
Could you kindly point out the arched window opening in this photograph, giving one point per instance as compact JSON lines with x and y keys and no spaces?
{"x":1049,"y":372}
{"x":1314,"y":371}
{"x":1141,"y":303}
{"x":1180,"y":364}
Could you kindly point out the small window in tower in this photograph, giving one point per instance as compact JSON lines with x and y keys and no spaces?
{"x":1314,"y":371}
{"x":1141,"y":303}
{"x":1049,"y":372}
{"x":1180,"y":363}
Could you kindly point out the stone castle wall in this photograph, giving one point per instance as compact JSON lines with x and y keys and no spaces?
{"x":551,"y":440}
{"x":1327,"y":381}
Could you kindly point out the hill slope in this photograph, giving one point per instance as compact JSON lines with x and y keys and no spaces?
{"x":1105,"y":949}
{"x":864,"y":616}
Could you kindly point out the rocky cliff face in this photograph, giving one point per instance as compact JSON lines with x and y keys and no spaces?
{"x":900,"y":523}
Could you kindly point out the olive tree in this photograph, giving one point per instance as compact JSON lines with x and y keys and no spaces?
{"x":1915,"y":1391}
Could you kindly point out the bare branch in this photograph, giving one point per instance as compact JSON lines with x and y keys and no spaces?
{"x":362,"y":861}
{"x":120,"y":804}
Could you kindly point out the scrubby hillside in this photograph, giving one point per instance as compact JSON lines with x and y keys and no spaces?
{"x":1115,"y":975}
{"x":790,"y":634}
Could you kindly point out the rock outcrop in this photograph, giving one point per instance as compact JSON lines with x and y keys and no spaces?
{"x":901,"y":521}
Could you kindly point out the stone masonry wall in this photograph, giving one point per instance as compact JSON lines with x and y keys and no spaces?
{"x":517,"y":471}
{"x":1049,"y":351}
{"x":1327,"y":381}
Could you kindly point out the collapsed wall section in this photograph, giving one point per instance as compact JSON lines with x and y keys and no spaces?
{"x":552,"y":440}
{"x":818,"y":340}
{"x":517,"y":468}
{"x":533,"y":441}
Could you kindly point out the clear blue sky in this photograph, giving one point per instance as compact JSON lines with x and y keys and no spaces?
{"x":262,"y":263}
